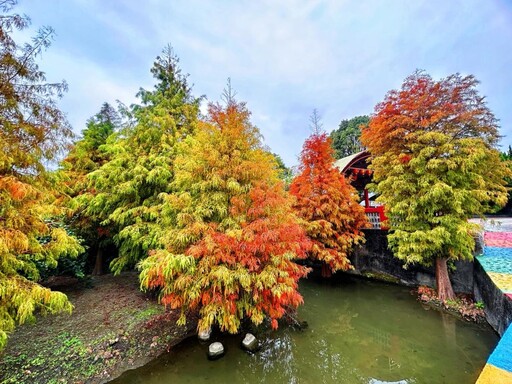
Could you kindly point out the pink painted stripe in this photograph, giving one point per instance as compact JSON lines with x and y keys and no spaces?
{"x":498,"y":239}
{"x":509,"y":295}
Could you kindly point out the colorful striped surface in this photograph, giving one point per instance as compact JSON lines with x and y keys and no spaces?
{"x":498,"y":239}
{"x":498,"y":260}
{"x":497,"y":263}
{"x":493,"y":375}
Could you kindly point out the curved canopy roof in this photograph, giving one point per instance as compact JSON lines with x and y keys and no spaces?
{"x":345,"y":163}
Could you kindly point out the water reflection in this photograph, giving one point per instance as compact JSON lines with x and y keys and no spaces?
{"x":359,"y":332}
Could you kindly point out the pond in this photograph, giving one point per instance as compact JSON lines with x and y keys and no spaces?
{"x":359,"y":332}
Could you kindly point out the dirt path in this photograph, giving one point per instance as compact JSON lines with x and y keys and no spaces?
{"x":114,"y":327}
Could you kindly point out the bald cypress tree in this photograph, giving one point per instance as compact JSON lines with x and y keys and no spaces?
{"x":328,"y":204}
{"x":232,"y":237}
{"x":435,"y":165}
{"x":32,"y":131}
{"x":141,"y":165}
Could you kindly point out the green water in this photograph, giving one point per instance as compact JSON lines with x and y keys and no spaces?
{"x":359,"y":332}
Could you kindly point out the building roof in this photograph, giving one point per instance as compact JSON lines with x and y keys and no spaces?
{"x":346,"y":162}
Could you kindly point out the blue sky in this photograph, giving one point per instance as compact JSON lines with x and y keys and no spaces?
{"x":284,"y":58}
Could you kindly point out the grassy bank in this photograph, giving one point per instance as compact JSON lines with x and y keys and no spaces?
{"x":114,"y":327}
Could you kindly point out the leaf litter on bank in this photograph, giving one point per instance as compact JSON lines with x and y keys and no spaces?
{"x":114,"y":327}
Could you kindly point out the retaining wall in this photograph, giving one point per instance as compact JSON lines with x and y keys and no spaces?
{"x":498,"y":307}
{"x":375,"y":259}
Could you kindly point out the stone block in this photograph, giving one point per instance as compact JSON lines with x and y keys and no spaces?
{"x":215,"y":350}
{"x":250,"y":343}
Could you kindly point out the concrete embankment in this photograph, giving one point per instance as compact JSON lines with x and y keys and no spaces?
{"x":493,"y":285}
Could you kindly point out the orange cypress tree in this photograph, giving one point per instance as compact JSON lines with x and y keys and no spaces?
{"x":435,"y":162}
{"x":328,"y":204}
{"x":231,"y":235}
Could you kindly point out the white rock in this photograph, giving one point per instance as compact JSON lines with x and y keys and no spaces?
{"x":204,"y":335}
{"x":250,"y":342}
{"x":215,"y":350}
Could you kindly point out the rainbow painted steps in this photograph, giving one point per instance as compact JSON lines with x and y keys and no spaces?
{"x":498,"y":369}
{"x":497,"y":263}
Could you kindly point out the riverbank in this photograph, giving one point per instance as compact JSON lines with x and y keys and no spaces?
{"x":114,"y":327}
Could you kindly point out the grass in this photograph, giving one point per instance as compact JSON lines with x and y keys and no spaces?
{"x":114,"y":327}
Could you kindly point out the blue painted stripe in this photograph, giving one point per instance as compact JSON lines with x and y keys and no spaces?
{"x":502,"y":355}
{"x":495,"y":251}
{"x":497,"y":260}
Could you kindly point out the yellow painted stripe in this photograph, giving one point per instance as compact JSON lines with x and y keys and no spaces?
{"x":502,"y":280}
{"x":493,"y":375}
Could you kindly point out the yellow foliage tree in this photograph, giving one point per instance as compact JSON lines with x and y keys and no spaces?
{"x":32,"y":131}
{"x":231,"y":236}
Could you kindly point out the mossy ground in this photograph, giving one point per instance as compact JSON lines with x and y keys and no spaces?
{"x":381,"y":276}
{"x":114,"y":327}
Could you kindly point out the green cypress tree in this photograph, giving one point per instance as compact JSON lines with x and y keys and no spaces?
{"x":141,"y":164}
{"x":435,"y":166}
{"x":87,"y":155}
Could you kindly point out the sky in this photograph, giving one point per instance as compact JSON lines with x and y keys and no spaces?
{"x":284,"y":58}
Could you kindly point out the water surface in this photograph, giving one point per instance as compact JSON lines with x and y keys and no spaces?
{"x":359,"y":332}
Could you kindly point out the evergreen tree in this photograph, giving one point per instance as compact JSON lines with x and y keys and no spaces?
{"x":86,"y":156}
{"x":435,"y":166}
{"x":328,"y":204}
{"x":507,"y":155}
{"x":32,"y":131}
{"x":285,"y":173}
{"x":231,"y":234}
{"x":141,"y":164}
{"x":346,"y":139}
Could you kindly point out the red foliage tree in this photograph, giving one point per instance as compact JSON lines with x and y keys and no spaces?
{"x":435,"y":165}
{"x":328,"y":204}
{"x":230,"y":251}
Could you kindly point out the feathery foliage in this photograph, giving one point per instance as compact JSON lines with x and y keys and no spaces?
{"x":434,"y":167}
{"x":141,"y":164}
{"x":232,"y":234}
{"x":328,"y":204}
{"x":32,"y":131}
{"x":86,"y":156}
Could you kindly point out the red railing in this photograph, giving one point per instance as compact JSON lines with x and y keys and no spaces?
{"x":376,"y":216}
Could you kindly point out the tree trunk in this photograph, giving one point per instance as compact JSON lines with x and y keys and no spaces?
{"x":443,"y":283}
{"x":326,"y":271}
{"x":98,"y":264}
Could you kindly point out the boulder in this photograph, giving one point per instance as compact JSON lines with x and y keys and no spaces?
{"x":215,"y":351}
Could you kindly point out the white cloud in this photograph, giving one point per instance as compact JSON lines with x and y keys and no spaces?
{"x":284,"y":57}
{"x":89,"y":86}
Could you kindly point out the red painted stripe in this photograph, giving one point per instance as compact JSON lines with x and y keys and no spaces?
{"x":498,"y":239}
